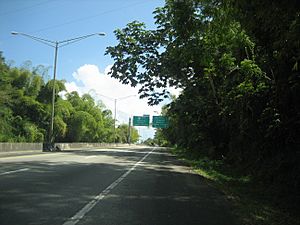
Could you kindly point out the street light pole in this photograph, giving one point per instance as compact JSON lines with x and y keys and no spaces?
{"x":51,"y":137}
{"x":115,"y":110}
{"x":55,"y":45}
{"x":115,"y":100}
{"x":129,"y":131}
{"x":115,"y":118}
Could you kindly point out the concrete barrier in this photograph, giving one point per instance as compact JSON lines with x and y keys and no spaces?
{"x":81,"y":146}
{"x":14,"y":147}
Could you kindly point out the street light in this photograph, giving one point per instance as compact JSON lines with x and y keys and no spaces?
{"x":55,"y":45}
{"x":115,"y":109}
{"x":118,"y":99}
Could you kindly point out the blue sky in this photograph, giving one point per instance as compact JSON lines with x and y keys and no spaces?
{"x":64,"y":19}
{"x":83,"y":64}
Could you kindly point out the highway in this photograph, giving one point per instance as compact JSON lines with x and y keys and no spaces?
{"x":131,"y":186}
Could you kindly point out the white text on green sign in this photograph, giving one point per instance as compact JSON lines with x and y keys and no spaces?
{"x":141,"y":120}
{"x":160,"y":122}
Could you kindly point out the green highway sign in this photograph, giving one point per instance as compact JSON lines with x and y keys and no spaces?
{"x":141,"y":121}
{"x":160,"y":122}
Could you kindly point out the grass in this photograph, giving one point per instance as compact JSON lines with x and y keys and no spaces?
{"x":253,"y":202}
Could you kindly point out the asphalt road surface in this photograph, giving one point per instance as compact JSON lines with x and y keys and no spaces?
{"x":130,"y":186}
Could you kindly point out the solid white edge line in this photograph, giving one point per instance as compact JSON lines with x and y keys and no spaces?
{"x":14,"y":171}
{"x":81,"y":213}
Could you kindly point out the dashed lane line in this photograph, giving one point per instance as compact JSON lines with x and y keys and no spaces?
{"x":14,"y":171}
{"x":88,"y":207}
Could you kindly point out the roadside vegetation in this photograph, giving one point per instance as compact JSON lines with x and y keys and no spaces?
{"x":25,"y":110}
{"x":237,"y":64}
{"x":254,"y":203}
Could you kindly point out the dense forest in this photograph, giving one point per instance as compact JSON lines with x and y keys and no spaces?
{"x":26,"y":98}
{"x":237,"y":63}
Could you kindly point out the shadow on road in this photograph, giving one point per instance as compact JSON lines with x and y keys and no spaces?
{"x":161,"y":190}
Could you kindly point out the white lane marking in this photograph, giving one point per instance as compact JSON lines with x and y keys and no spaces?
{"x":81,"y":213}
{"x":14,"y":171}
{"x":89,"y":157}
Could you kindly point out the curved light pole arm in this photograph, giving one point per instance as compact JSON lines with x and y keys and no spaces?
{"x":126,"y":97}
{"x":42,"y":40}
{"x":112,"y":99}
{"x":54,"y":43}
{"x":73,"y":40}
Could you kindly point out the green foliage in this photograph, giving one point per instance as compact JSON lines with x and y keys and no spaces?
{"x":82,"y":125}
{"x":149,"y":142}
{"x":237,"y":64}
{"x":46,"y":92}
{"x":158,"y":140}
{"x":122,"y":132}
{"x":25,"y":112}
{"x":254,"y":203}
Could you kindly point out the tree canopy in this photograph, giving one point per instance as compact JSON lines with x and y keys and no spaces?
{"x":26,"y":98}
{"x":237,"y":65}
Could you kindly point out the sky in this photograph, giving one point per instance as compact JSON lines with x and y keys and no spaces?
{"x":82,"y":64}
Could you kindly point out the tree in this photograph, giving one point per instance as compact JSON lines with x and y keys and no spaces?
{"x":197,"y":46}
{"x":26,"y":101}
{"x":275,"y":27}
{"x":46,"y":92}
{"x":237,"y":63}
{"x":160,"y":139}
{"x":123,"y":134}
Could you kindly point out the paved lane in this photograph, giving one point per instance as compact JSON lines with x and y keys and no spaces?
{"x":115,"y":186}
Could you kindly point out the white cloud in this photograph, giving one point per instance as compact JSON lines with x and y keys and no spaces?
{"x":72,"y":87}
{"x":101,"y":86}
{"x":89,"y":79}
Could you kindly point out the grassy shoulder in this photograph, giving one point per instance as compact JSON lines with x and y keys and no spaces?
{"x":254,"y":203}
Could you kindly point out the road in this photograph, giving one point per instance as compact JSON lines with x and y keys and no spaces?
{"x":136,"y":185}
